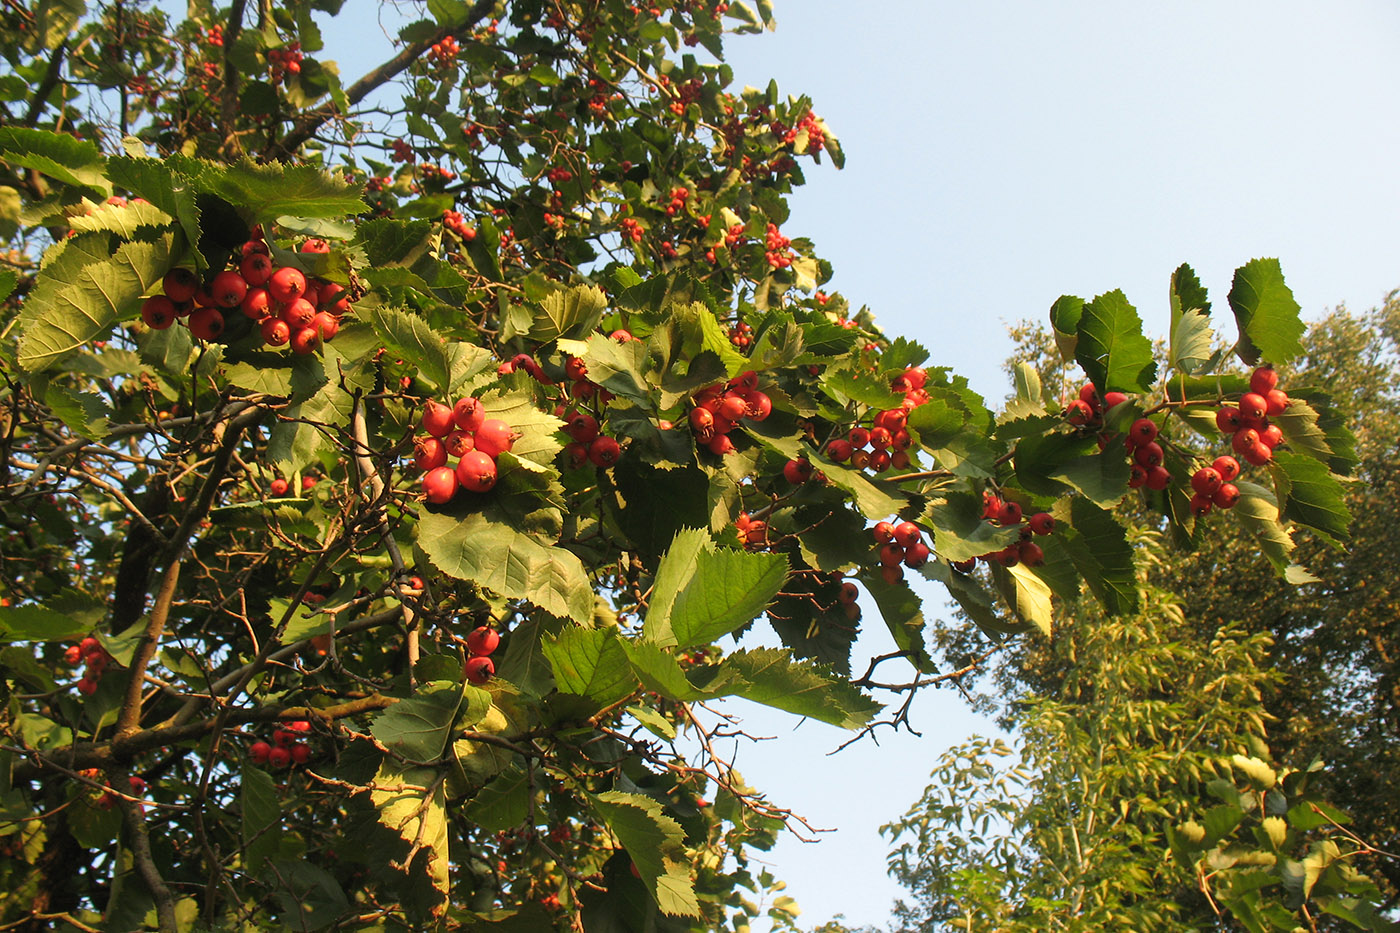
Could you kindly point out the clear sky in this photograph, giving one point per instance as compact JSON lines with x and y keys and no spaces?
{"x":1001,"y":154}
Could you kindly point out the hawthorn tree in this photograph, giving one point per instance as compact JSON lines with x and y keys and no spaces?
{"x":392,"y":478}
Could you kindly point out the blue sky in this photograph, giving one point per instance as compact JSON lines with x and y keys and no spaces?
{"x":1001,"y":154}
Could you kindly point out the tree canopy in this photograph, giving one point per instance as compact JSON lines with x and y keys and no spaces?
{"x":391,"y":486}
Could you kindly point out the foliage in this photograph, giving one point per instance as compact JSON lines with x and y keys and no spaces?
{"x":570,"y":221}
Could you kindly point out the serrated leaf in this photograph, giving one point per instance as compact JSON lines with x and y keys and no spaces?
{"x":1300,"y":427}
{"x":504,"y":803}
{"x":536,"y":431}
{"x":1191,"y":342}
{"x":871,"y":497}
{"x":265,"y":373}
{"x":722,"y":590}
{"x":572,"y":312}
{"x":36,"y":623}
{"x":959,"y":533}
{"x":656,"y":844}
{"x":391,"y":242}
{"x":846,"y":386}
{"x":617,"y":367}
{"x":124,"y":220}
{"x":418,"y":727}
{"x":412,"y":802}
{"x":411,"y":338}
{"x":659,"y":671}
{"x":1187,"y":292}
{"x":486,"y":548}
{"x":261,"y":816}
{"x":68,"y":314}
{"x":1111,"y":347}
{"x":298,"y":190}
{"x":772,"y":677}
{"x":1026,"y":594}
{"x":1266,"y":312}
{"x":902,"y":612}
{"x":1314,"y":496}
{"x":591,"y":663}
{"x":87,"y":414}
{"x":1101,"y":552}
{"x":1064,"y":321}
{"x":60,"y":156}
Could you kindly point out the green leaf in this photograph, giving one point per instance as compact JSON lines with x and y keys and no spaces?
{"x":486,"y":547}
{"x":504,"y":803}
{"x":262,"y":816}
{"x":87,"y":414}
{"x":391,"y":242}
{"x":122,"y":219}
{"x":1267,"y":314}
{"x":1191,"y":342}
{"x":1188,"y":294}
{"x":591,"y":663}
{"x":413,"y":803}
{"x":1300,"y":427}
{"x":1064,"y":321}
{"x":1112,"y":349}
{"x":617,"y":367}
{"x":902,"y":611}
{"x":959,"y":533}
{"x":572,"y":312}
{"x":656,"y":844}
{"x":418,"y":728}
{"x":265,"y":373}
{"x":1101,"y":551}
{"x":770,"y":676}
{"x":659,"y":671}
{"x":871,"y":497}
{"x":1314,"y":497}
{"x":410,"y":338}
{"x":60,"y":156}
{"x":276,"y":188}
{"x":63,"y":315}
{"x":35,"y":623}
{"x":1026,"y":594}
{"x":723,"y":590}
{"x":847,"y":386}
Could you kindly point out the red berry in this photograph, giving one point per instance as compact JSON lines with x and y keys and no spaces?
{"x":179,"y":285}
{"x":298,"y":313}
{"x":286,"y":284}
{"x":476,"y":472}
{"x":326,"y":325}
{"x":1263,"y":380}
{"x":797,"y":471}
{"x":575,"y":369}
{"x":720,"y":444}
{"x":259,"y":751}
{"x":1009,"y":513}
{"x":604,"y":451}
{"x":1042,"y":523}
{"x":1089,"y":395}
{"x":494,"y":437}
{"x":206,"y":323}
{"x":278,"y":487}
{"x":733,"y":407}
{"x":1079,"y":412}
{"x":891,"y":554}
{"x":1112,"y":400}
{"x":1277,"y":401}
{"x":275,"y":332}
{"x":479,"y":670}
{"x":1158,"y":478}
{"x":1226,"y":496}
{"x":1148,"y":455}
{"x":1271,"y":436}
{"x":1206,"y":481}
{"x":880,"y":438}
{"x":858,"y":437}
{"x":1201,"y":504}
{"x":1030,"y":554}
{"x":907,"y":534}
{"x":582,"y":427}
{"x":228,"y":289}
{"x":158,"y":312}
{"x":301,"y":753}
{"x":304,"y":341}
{"x":916,"y":554}
{"x":964,"y":566}
{"x":437,"y":419}
{"x":758,"y":406}
{"x":1244,"y":439}
{"x":1143,"y":431}
{"x":1259,"y":453}
{"x":849,"y":593}
{"x":892,"y":573}
{"x":839,"y":450}
{"x":440,"y":485}
{"x":315,"y":245}
{"x":257,"y":304}
{"x":279,"y":757}
{"x":1228,"y":468}
{"x":73,"y":656}
{"x":1253,"y":407}
{"x":482,"y":641}
{"x":256,"y":268}
{"x":883,"y":532}
{"x":1227,"y":420}
{"x":458,"y":443}
{"x":468,"y":413}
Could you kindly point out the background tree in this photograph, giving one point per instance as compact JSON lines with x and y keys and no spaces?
{"x":386,"y":472}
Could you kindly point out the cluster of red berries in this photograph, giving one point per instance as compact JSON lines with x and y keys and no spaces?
{"x":445,"y":51}
{"x":776,"y":248}
{"x":290,"y":308}
{"x":280,"y":487}
{"x":1147,"y":455}
{"x":741,"y":334}
{"x":462,"y":431}
{"x":799,"y":470}
{"x":95,"y":660}
{"x":215,"y":35}
{"x":403,"y":152}
{"x":283,"y":62}
{"x":1088,"y":410}
{"x":753,"y":532}
{"x":1213,"y":486}
{"x":816,"y":135}
{"x":589,"y":444}
{"x":887,"y":441}
{"x":685,"y":94}
{"x":454,"y":221}
{"x":899,"y":544}
{"x":1008,"y":514}
{"x":559,"y":175}
{"x":679,"y":195}
{"x":108,"y":798}
{"x":631,"y":229}
{"x":479,"y":667}
{"x":287,"y":747}
{"x":720,"y":407}
{"x":1253,"y":437}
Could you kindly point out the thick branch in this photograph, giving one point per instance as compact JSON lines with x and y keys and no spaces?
{"x":313,"y":120}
